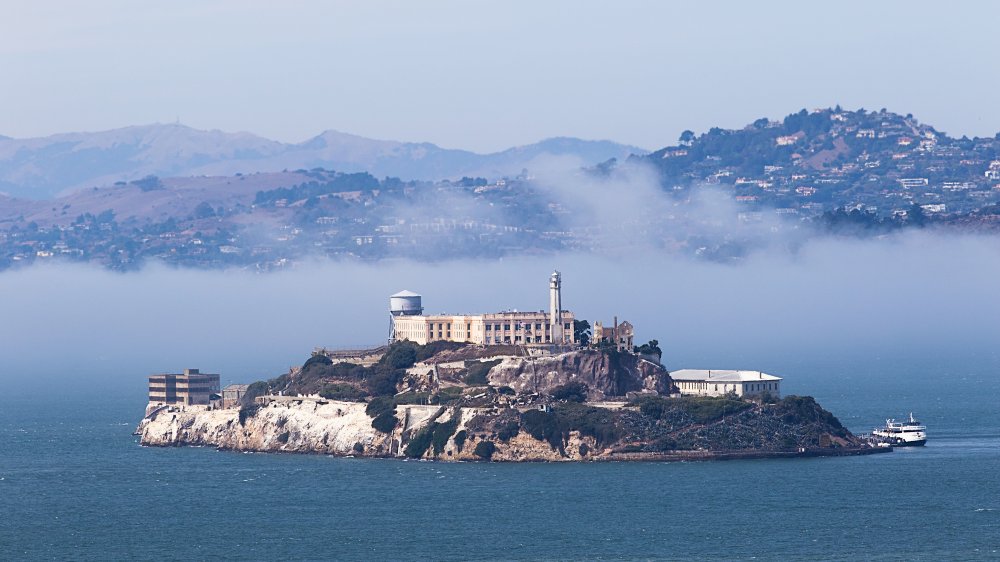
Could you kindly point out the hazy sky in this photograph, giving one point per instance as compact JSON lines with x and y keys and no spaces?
{"x":485,"y":76}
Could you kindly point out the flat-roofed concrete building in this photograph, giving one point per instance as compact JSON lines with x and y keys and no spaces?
{"x":191,"y":387}
{"x":554,"y":326}
{"x":713,"y":382}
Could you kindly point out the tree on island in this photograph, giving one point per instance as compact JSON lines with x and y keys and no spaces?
{"x":652,"y":347}
{"x":581,"y":332}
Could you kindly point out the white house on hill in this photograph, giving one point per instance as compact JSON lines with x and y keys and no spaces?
{"x":712,"y":382}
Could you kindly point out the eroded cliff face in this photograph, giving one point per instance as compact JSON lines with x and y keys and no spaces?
{"x":606,"y":374}
{"x":312,"y":425}
{"x":299,"y":426}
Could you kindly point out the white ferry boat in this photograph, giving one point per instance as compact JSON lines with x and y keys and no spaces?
{"x":907,"y":433}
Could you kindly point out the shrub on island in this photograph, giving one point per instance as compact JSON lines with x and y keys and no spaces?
{"x":571,"y":392}
{"x":460,"y":438}
{"x":343,"y":391}
{"x":380,"y":405}
{"x":385,"y":422}
{"x":485,"y":450}
{"x":420,"y":442}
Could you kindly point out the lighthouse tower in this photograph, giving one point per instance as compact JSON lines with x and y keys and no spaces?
{"x":555,"y":308}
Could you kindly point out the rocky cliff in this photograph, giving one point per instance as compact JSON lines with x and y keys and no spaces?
{"x":607,"y":374}
{"x":314,"y":425}
{"x":647,"y":428}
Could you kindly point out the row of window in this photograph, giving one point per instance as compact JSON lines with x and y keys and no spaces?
{"x":756,"y":387}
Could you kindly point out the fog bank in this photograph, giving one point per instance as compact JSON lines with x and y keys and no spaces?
{"x":919,"y":293}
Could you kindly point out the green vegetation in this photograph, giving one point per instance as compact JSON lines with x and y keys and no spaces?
{"x":343,"y":391}
{"x":700,"y":409}
{"x":247,"y":412}
{"x":485,"y":450}
{"x":508,"y":429}
{"x":802,"y":410}
{"x":148,"y":183}
{"x":571,"y":392}
{"x":380,"y":405}
{"x":460,"y":438}
{"x":443,"y":431}
{"x":259,"y":388}
{"x":477,"y":371}
{"x":334,"y":182}
{"x":543,"y":426}
{"x":349,"y":381}
{"x":385,"y":422}
{"x":316,"y":360}
{"x":582,"y":332}
{"x":554,"y":427}
{"x":599,"y":423}
{"x":420,"y":442}
{"x":400,"y":356}
{"x":650,"y":348}
{"x":435,"y":434}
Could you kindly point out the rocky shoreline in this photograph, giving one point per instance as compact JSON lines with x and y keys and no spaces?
{"x":313,"y":425}
{"x":456,"y":402}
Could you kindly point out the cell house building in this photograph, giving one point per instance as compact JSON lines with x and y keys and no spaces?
{"x":554,"y":326}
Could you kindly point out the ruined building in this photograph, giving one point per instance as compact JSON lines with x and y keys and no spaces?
{"x":621,"y":335}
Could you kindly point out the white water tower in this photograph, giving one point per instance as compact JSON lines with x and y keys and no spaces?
{"x":403,"y":303}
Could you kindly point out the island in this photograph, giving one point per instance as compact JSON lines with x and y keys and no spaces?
{"x":461,"y":402}
{"x":505,"y":386}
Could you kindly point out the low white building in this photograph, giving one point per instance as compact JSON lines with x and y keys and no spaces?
{"x":713,"y":382}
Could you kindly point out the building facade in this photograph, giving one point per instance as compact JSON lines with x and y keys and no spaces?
{"x":189,"y":388}
{"x":711,"y":382}
{"x":232,"y":394}
{"x":500,"y":328}
{"x":623,"y":335}
{"x":554,"y":326}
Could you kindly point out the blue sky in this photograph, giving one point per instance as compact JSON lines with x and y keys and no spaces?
{"x":488,"y":75}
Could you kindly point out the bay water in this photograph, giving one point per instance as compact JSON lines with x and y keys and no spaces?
{"x":75,"y":485}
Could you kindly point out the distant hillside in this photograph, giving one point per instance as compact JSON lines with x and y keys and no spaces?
{"x":43,"y":167}
{"x":810,"y":162}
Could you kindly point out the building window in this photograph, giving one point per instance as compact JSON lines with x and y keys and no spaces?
{"x":566,"y":326}
{"x":538,"y":326}
{"x":506,"y":327}
{"x":489,"y":327}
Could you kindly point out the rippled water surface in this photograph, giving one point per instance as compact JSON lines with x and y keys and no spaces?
{"x":75,"y":485}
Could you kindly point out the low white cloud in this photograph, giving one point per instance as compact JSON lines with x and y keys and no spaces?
{"x":917,"y":292}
